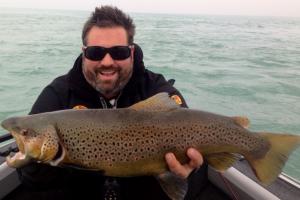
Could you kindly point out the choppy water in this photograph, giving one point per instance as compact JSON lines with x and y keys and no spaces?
{"x":230,"y":65}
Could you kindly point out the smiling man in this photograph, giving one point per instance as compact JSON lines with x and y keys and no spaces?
{"x":112,"y":72}
{"x":108,"y":74}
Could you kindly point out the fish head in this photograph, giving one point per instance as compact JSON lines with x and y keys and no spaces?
{"x":36,"y":140}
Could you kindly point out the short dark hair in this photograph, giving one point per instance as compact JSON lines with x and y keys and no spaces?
{"x":108,"y":16}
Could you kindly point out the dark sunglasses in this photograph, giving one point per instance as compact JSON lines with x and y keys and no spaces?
{"x":97,"y":53}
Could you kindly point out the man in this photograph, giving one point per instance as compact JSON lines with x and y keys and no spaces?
{"x":109,"y":74}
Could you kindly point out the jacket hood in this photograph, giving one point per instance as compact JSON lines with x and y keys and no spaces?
{"x":81,"y":87}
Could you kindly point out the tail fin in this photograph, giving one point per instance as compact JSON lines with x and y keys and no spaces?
{"x":269,"y":167}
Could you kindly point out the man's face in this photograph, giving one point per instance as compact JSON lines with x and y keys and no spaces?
{"x":108,"y":76}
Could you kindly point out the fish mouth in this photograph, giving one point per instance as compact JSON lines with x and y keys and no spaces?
{"x":18,"y":160}
{"x":22,"y":158}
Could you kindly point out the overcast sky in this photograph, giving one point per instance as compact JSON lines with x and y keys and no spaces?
{"x":219,"y":7}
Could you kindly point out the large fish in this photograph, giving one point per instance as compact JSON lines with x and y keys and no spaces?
{"x":133,"y":141}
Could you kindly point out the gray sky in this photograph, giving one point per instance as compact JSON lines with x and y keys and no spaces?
{"x":219,"y":7}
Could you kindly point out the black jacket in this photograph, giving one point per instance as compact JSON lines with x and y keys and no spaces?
{"x":70,"y":90}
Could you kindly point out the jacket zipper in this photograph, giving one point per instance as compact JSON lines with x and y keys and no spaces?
{"x":104,"y":104}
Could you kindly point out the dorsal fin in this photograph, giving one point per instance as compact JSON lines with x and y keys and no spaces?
{"x":158,"y":102}
{"x":242,"y":121}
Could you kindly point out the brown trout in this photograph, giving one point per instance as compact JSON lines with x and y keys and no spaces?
{"x":133,"y":141}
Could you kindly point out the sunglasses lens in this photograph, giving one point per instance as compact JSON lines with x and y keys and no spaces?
{"x":97,"y":53}
{"x":94,"y":53}
{"x":119,"y":52}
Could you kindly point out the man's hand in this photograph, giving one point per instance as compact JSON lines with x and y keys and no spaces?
{"x":196,"y":160}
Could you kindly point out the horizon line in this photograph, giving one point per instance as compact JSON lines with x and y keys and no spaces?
{"x":151,"y":12}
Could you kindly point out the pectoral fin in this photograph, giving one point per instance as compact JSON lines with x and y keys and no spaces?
{"x":174,"y":186}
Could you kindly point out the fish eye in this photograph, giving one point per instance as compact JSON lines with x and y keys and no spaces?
{"x":24,"y":132}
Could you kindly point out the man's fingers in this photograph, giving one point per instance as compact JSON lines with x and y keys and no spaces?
{"x":196,"y":159}
{"x":175,"y":166}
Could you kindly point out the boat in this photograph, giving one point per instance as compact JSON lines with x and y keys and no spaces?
{"x":238,"y":182}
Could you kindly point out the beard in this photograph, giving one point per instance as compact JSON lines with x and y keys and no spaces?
{"x":118,"y":77}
